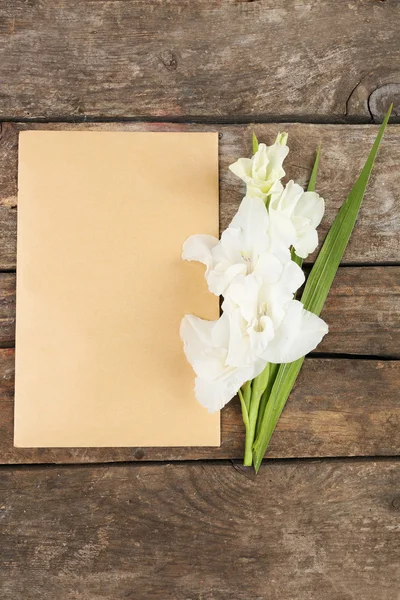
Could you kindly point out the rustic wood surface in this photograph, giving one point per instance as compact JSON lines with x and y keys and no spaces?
{"x":323,"y":529}
{"x":180,"y":59}
{"x":300,"y":530}
{"x":338,"y":407}
{"x":362,"y":311}
{"x":376,"y":236}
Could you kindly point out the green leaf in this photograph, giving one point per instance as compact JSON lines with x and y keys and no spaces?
{"x":258,"y":387}
{"x":315,"y":293}
{"x":245,"y":409}
{"x":273,"y":371}
{"x":313,"y":179}
{"x":255,"y":143}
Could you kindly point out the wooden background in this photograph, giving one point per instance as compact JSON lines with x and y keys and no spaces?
{"x":321,"y":520}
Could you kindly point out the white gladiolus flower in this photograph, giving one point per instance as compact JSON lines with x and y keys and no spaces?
{"x":207,"y":346}
{"x":242,"y":250}
{"x":273,"y":326}
{"x":251,"y":267}
{"x":254,"y":329}
{"x":264,"y":170}
{"x":294,"y":216}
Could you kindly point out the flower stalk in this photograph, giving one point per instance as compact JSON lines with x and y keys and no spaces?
{"x":315,"y":293}
{"x":258,"y":387}
{"x":257,"y":346}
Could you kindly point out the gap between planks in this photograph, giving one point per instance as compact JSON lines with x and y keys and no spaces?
{"x":235,"y":462}
{"x":206,"y":120}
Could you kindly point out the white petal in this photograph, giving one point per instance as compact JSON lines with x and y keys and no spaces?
{"x":276,"y":155}
{"x":242,"y":168}
{"x":220,"y":332}
{"x":254,"y":190}
{"x":260,"y":163}
{"x":213,"y":395}
{"x":301,"y":225}
{"x":230,"y":247}
{"x":310,"y":206}
{"x":282,"y":234}
{"x":252,"y":220}
{"x":198,"y":247}
{"x":292,"y":277}
{"x":240,"y":246}
{"x":243,"y":294}
{"x":275,"y":192}
{"x":307,"y":243}
{"x":219,"y":279}
{"x":206,"y":357}
{"x":299,"y":333}
{"x":239,"y":342}
{"x":276,"y":296}
{"x":269,"y":267}
{"x":288,"y":199}
{"x":264,"y":169}
{"x":259,"y":340}
{"x":191,"y":325}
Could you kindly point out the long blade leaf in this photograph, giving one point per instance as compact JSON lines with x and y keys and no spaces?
{"x":315,"y":293}
{"x":314,"y":173}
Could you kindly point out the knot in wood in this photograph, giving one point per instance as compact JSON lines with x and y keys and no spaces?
{"x":381,"y":98}
{"x":396,"y":503}
{"x":169,"y":60}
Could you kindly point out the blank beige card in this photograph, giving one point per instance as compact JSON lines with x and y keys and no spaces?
{"x":101,"y":287}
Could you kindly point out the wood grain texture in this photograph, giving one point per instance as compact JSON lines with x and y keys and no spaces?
{"x":362,"y":311}
{"x":300,"y":530}
{"x":182,"y":58}
{"x":338,"y":407}
{"x":7,"y":309}
{"x":376,"y":236}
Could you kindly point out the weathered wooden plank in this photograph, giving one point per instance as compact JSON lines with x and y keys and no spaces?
{"x":304,"y":530}
{"x":337,"y":408}
{"x":7,"y":309}
{"x":362,"y":310}
{"x":344,"y":149}
{"x":185,"y":58}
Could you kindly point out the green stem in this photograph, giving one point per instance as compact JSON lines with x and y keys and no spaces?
{"x":245,"y":413}
{"x":257,"y":389}
{"x":246,"y":388}
{"x":273,"y":371}
{"x":315,"y":293}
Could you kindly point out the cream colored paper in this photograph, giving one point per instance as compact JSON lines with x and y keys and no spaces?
{"x":101,"y":287}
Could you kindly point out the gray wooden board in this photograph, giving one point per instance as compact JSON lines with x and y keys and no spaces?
{"x":232,"y":59}
{"x":367,"y":296}
{"x":345,"y":148}
{"x":301,"y":530}
{"x":362,"y":311}
{"x":338,"y":407}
